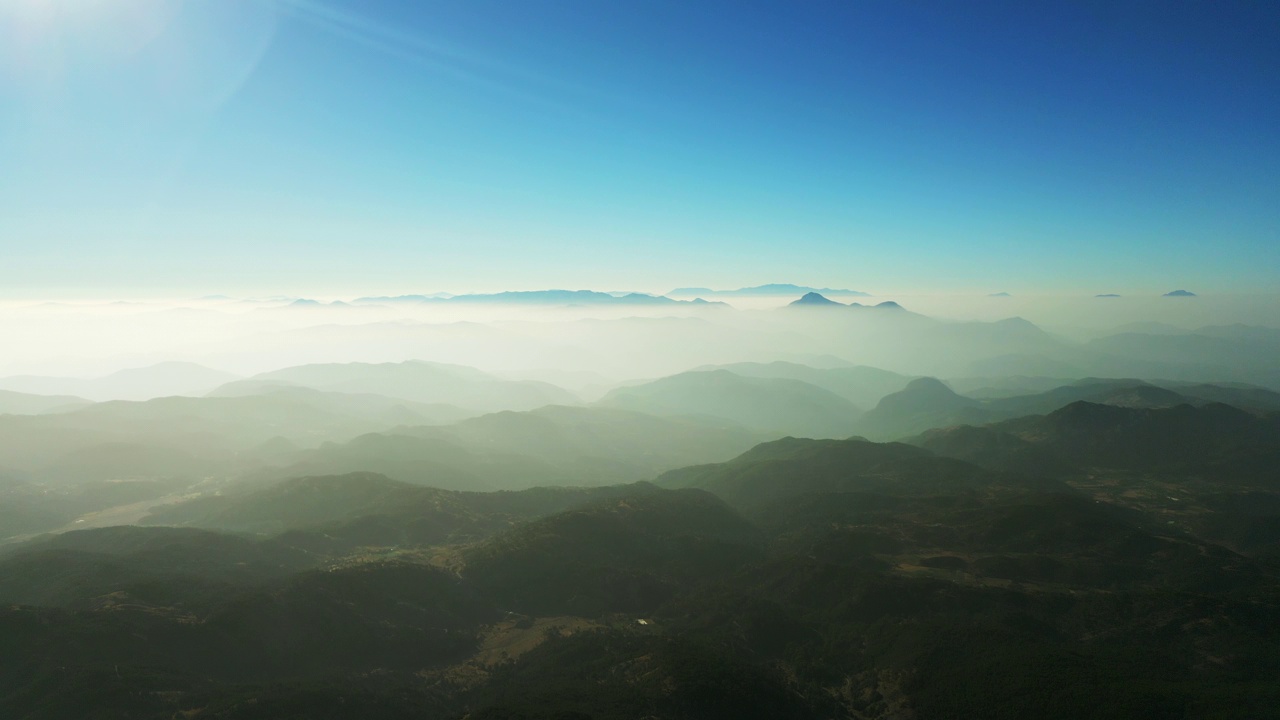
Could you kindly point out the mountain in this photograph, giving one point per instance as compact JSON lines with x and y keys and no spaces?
{"x":528,"y":297}
{"x":1119,"y":392}
{"x":924,"y":403}
{"x":792,"y":467}
{"x":193,"y":437}
{"x":27,"y":508}
{"x":814,"y":299}
{"x":770,"y":405}
{"x":550,"y":446}
{"x":333,"y":514}
{"x":421,"y":381}
{"x":629,"y":554}
{"x":1247,"y":397}
{"x":927,"y":403}
{"x":618,"y":445}
{"x":16,"y":403}
{"x":160,"y":380}
{"x":861,"y":385}
{"x":565,"y":297}
{"x":404,"y":298}
{"x":1182,"y":438}
{"x":830,"y":578}
{"x":1180,"y":293}
{"x":81,"y":568}
{"x":773,"y":289}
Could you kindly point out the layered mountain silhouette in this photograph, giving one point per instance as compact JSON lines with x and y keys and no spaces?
{"x":533,"y":297}
{"x":160,"y":380}
{"x":1086,"y":434}
{"x":923,"y":403}
{"x":813,"y":299}
{"x":861,"y":385}
{"x":17,"y":403}
{"x":928,"y":403}
{"x":549,"y":446}
{"x":794,"y":466}
{"x":773,"y":289}
{"x":762,"y":404}
{"x":415,"y":380}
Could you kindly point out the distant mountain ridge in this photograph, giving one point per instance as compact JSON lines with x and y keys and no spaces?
{"x":814,"y":299}
{"x":17,"y":403}
{"x":765,"y":404}
{"x":144,"y":383}
{"x":772,"y":289}
{"x":536,"y":297}
{"x":419,"y":381}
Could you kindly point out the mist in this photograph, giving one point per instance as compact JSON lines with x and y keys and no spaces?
{"x":579,"y":360}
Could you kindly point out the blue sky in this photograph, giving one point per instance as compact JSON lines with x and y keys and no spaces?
{"x":334,"y":147}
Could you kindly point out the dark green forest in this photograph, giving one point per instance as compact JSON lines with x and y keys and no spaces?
{"x":1099,"y":561}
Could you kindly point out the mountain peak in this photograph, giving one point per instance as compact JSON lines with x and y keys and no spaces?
{"x":929,"y":385}
{"x":813,"y":298}
{"x":1180,"y":293}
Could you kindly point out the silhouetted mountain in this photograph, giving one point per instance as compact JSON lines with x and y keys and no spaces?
{"x":791,"y":467}
{"x":863,"y":386}
{"x":871,"y":581}
{"x":990,"y":388}
{"x":1084,"y":434}
{"x":760,"y":404}
{"x":191,"y":437}
{"x":530,"y":297}
{"x":933,"y":405}
{"x":1246,"y":397}
{"x":992,"y":448}
{"x":331,"y":515}
{"x":773,"y":289}
{"x":564,"y":297}
{"x":422,"y":382}
{"x":16,"y":403}
{"x":613,"y":445}
{"x":160,"y":380}
{"x":553,"y":445}
{"x":815,"y":300}
{"x":924,"y":403}
{"x":1180,"y":293}
{"x":404,"y":298}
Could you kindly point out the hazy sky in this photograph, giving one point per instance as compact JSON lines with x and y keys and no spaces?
{"x":334,"y":147}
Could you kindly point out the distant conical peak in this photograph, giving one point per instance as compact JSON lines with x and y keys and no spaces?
{"x":928,"y":385}
{"x":813,"y":298}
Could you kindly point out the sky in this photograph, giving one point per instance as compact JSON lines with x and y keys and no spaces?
{"x":340,"y":148}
